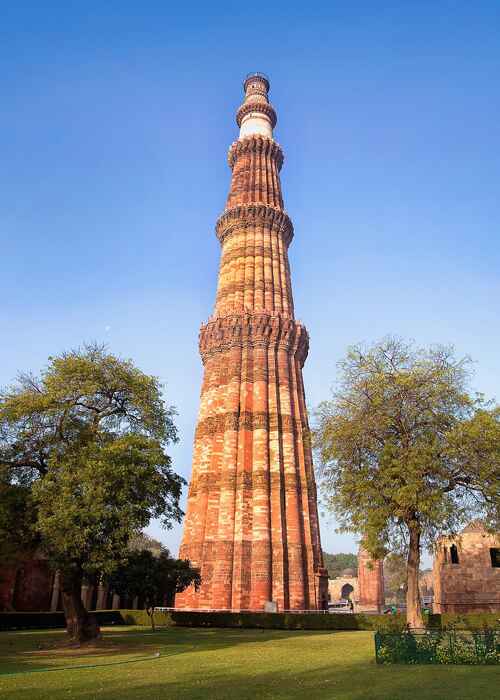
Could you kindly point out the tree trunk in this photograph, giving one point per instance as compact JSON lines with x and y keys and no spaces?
{"x":80,"y":625}
{"x":414,"y":617}
{"x":151,"y":612}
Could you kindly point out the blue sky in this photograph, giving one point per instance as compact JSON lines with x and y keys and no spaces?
{"x":115,"y":121}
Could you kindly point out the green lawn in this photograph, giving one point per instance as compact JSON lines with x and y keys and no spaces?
{"x":212,"y":664}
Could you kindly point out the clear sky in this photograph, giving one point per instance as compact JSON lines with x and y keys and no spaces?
{"x":115,"y":121}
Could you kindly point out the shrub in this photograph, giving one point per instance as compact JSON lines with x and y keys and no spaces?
{"x":288,"y":621}
{"x":31,"y":620}
{"x":438,"y":647}
{"x":142,"y":619}
{"x":470,"y":621}
{"x":257,"y":620}
{"x":52,"y":620}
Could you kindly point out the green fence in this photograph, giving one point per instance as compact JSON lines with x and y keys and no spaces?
{"x":438,"y":647}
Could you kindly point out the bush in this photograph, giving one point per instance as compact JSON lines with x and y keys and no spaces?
{"x":257,"y":620}
{"x":56,"y":620}
{"x":438,"y":647}
{"x":287,"y":621}
{"x":31,"y":620}
{"x":470,"y":621}
{"x":52,"y":620}
{"x":142,"y":619}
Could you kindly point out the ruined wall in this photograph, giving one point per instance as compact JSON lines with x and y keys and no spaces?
{"x":471,"y":583}
{"x":26,"y":587}
{"x":336,"y":586}
{"x":7,"y":585}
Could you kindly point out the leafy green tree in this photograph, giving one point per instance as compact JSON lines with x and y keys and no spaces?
{"x":83,"y":446}
{"x":337,"y":563}
{"x":142,"y":541}
{"x":407,"y":452}
{"x":154,"y":579}
{"x":16,"y":507}
{"x":395,"y":577}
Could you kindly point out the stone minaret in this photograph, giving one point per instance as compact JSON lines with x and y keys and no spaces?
{"x":370,"y":582}
{"x":252,"y":520}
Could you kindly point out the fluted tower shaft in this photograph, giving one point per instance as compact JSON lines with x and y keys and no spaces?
{"x":252,"y":520}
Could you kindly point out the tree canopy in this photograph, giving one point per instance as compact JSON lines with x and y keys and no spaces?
{"x":337,"y":563}
{"x":407,"y":452}
{"x":395,"y":577}
{"x":153,"y":578}
{"x":83,"y":463}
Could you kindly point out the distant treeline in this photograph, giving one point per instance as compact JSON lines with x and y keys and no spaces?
{"x":337,"y":563}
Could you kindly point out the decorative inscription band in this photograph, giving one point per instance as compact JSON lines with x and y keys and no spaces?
{"x":256,"y":479}
{"x":250,"y":420}
{"x":231,"y":371}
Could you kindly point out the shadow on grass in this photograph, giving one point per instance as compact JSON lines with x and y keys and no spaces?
{"x":36,"y":651}
{"x":355,"y":681}
{"x":286,"y":672}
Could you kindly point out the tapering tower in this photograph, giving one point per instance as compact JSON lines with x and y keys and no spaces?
{"x":252,"y":519}
{"x":370,"y":582}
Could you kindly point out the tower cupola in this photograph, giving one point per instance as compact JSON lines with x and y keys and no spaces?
{"x":256,"y":115}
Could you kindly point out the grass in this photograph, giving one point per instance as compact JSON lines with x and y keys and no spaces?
{"x":213,"y":664}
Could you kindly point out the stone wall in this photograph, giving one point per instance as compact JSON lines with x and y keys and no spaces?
{"x":26,"y":587}
{"x":337,"y":588}
{"x":467,"y":582}
{"x":7,"y":586}
{"x":30,"y":586}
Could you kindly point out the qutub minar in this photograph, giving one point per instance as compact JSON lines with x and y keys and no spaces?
{"x":252,"y":519}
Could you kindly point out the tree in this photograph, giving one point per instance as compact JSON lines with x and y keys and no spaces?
{"x":407,"y":452}
{"x":83,"y":446}
{"x":16,"y":507}
{"x":142,"y":541}
{"x":395,"y":577}
{"x":337,"y":563}
{"x":155,"y":579}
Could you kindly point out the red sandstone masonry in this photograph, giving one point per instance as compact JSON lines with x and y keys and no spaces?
{"x":252,"y":521}
{"x":471,"y":584}
{"x":370,"y":581}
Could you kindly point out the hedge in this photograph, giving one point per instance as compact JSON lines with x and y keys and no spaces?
{"x":141,"y":618}
{"x":52,"y":620}
{"x":469,"y":621}
{"x":322,"y":621}
{"x":56,"y":620}
{"x":181,"y":618}
{"x":438,"y":647}
{"x":248,"y":620}
{"x":31,"y":620}
{"x":288,"y":621}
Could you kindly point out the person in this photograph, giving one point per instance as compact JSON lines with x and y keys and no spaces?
{"x":351,"y":605}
